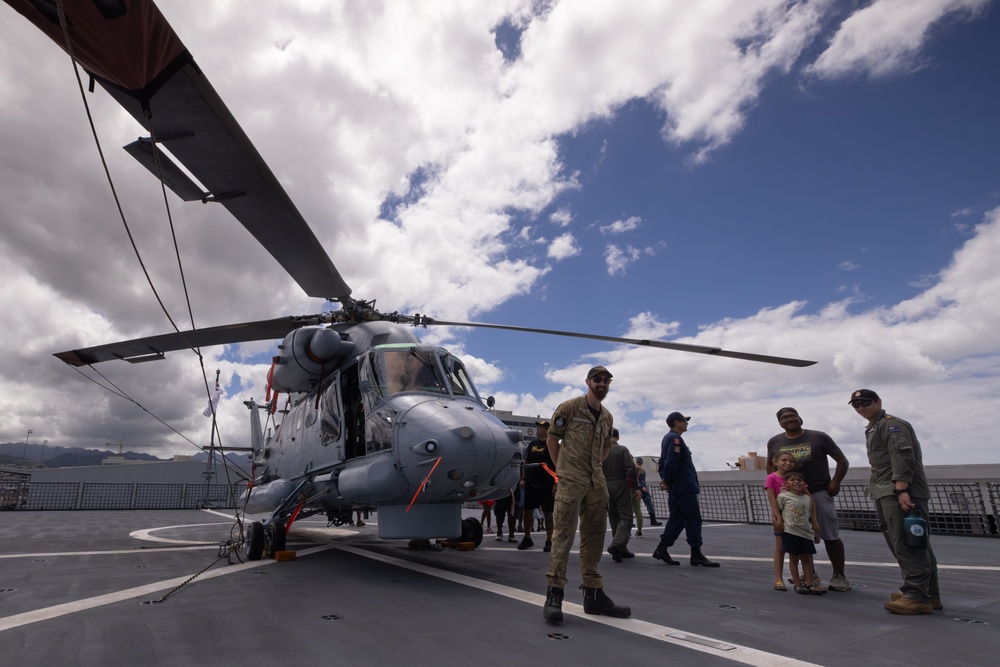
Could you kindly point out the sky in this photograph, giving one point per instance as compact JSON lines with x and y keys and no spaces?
{"x":813,"y":179}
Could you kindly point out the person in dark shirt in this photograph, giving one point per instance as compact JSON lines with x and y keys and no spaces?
{"x":810,"y":450}
{"x":538,"y":484}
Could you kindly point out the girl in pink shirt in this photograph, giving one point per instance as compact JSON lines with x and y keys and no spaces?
{"x":784,"y":463}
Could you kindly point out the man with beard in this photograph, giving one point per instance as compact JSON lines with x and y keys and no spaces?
{"x":578,"y":442}
{"x":810,"y":450}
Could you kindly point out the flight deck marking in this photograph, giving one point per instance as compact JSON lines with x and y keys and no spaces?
{"x":663,"y":633}
{"x":55,"y":611}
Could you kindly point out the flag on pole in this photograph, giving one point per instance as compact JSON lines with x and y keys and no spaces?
{"x":214,"y":401}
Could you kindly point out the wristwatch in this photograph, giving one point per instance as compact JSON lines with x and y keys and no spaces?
{"x":900,"y":491}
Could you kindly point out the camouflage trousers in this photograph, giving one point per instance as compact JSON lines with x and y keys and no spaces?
{"x":588,"y":506}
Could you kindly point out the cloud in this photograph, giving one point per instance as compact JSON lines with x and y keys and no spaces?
{"x":886,"y":37}
{"x":617,"y":259}
{"x":563,"y":246}
{"x":562,"y":217}
{"x":621,"y":226}
{"x":934,"y":354}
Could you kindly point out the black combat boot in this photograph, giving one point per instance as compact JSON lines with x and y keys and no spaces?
{"x":596,"y":602}
{"x":553,"y":605}
{"x":698,"y":558}
{"x":616,"y":553}
{"x":660,"y":553}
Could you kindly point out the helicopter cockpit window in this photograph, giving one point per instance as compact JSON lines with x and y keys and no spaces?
{"x":412,"y":369}
{"x":461,"y":383}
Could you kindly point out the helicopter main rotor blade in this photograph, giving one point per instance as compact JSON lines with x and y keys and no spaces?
{"x":153,"y":348}
{"x":681,"y":347}
{"x":136,"y":56}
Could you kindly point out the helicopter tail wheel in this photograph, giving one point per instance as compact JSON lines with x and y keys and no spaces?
{"x":276,"y":531}
{"x":254,"y":544}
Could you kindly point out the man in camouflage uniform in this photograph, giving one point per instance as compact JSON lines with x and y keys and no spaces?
{"x":584,"y":429}
{"x":898,"y":485}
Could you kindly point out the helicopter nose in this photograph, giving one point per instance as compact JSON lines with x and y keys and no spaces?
{"x":457,"y":441}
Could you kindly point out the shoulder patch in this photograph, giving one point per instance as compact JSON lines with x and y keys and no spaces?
{"x":677,"y":441}
{"x":560,"y":422}
{"x":677,"y":449}
{"x":893,"y":429}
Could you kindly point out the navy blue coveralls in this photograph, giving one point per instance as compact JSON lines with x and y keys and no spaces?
{"x":677,"y":470}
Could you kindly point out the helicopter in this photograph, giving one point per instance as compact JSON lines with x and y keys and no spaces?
{"x":376,"y":419}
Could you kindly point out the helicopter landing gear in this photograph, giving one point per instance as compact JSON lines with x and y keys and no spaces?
{"x":276,"y":533}
{"x":254,"y":544}
{"x":472,"y":531}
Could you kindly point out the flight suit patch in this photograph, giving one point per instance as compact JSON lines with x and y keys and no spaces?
{"x":677,"y":449}
{"x":560,"y":422}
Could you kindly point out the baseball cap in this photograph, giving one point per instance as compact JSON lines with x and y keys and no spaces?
{"x":675,"y":416}
{"x":598,"y":369}
{"x":542,"y":422}
{"x":864,"y":395}
{"x":784,"y":410}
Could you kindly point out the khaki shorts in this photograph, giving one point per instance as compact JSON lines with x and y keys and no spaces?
{"x":826,"y":516}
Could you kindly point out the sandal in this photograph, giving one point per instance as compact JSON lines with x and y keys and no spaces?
{"x":802,"y":589}
{"x":816,"y":589}
{"x":779,"y":585}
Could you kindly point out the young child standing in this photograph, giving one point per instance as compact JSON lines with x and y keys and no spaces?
{"x":798,"y":514}
{"x":784,"y":463}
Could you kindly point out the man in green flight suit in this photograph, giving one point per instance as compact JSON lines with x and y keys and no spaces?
{"x":899,"y":485}
{"x":584,"y":429}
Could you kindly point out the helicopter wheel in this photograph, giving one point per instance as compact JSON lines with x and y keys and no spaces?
{"x":276,"y":531}
{"x":477,"y":531}
{"x":254,"y":545}
{"x":466,"y":535}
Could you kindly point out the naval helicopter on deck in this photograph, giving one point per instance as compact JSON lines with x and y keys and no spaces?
{"x":375,"y":417}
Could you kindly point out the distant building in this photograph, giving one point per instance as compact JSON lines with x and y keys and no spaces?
{"x":523,"y":423}
{"x":752,"y":461}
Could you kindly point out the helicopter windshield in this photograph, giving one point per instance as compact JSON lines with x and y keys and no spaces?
{"x":411,"y":369}
{"x":422,"y":368}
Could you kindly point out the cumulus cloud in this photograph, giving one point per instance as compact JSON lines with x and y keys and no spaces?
{"x":563,"y":246}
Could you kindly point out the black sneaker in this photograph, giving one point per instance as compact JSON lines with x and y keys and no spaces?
{"x":615,"y":553}
{"x":548,"y":546}
{"x":526,"y":543}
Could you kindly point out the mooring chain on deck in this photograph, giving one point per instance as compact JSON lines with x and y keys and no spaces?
{"x":226,"y":550}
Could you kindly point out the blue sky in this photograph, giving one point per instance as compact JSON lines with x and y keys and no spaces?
{"x":807,"y":179}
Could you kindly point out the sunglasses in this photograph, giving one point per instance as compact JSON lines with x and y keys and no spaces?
{"x":601,"y":379}
{"x":861,"y":404}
